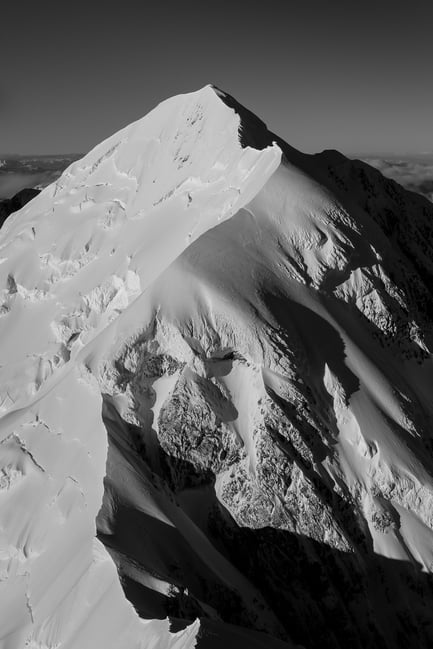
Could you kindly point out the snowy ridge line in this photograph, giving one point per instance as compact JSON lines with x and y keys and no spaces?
{"x":134,"y":268}
{"x":83,"y":252}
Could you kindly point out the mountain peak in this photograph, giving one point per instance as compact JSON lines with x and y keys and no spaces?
{"x":83,"y":252}
{"x":215,"y":396}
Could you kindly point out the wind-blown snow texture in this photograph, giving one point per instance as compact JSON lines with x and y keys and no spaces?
{"x":226,"y":344}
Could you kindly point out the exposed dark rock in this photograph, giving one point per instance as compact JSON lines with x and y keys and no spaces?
{"x":10,"y":205}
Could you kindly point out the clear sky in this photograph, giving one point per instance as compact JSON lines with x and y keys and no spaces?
{"x":350,"y":75}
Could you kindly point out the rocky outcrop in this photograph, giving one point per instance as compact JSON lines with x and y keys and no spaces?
{"x":10,"y":205}
{"x":273,"y":407}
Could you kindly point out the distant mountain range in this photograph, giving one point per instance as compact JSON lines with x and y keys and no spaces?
{"x":29,"y":171}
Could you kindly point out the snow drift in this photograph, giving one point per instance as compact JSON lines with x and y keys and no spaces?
{"x":215,"y":390}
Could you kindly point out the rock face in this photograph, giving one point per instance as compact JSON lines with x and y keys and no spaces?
{"x":250,"y":330}
{"x":10,"y":205}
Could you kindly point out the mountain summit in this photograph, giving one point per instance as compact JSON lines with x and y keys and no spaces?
{"x":215,"y":396}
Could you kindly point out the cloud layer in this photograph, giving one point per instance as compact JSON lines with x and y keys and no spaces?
{"x":415,"y":172}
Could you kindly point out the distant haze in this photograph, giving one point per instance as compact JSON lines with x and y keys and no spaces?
{"x":355,"y":76}
{"x":415,"y":173}
{"x":16,"y":173}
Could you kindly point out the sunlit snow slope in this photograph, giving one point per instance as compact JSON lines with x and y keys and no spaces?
{"x":227,"y":344}
{"x":83,"y":252}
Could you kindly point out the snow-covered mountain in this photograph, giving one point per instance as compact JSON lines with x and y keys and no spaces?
{"x":216,"y":396}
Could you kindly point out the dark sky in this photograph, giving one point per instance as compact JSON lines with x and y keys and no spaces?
{"x":352,"y":75}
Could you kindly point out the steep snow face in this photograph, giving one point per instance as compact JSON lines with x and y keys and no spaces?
{"x":79,"y":255}
{"x":278,"y":390}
